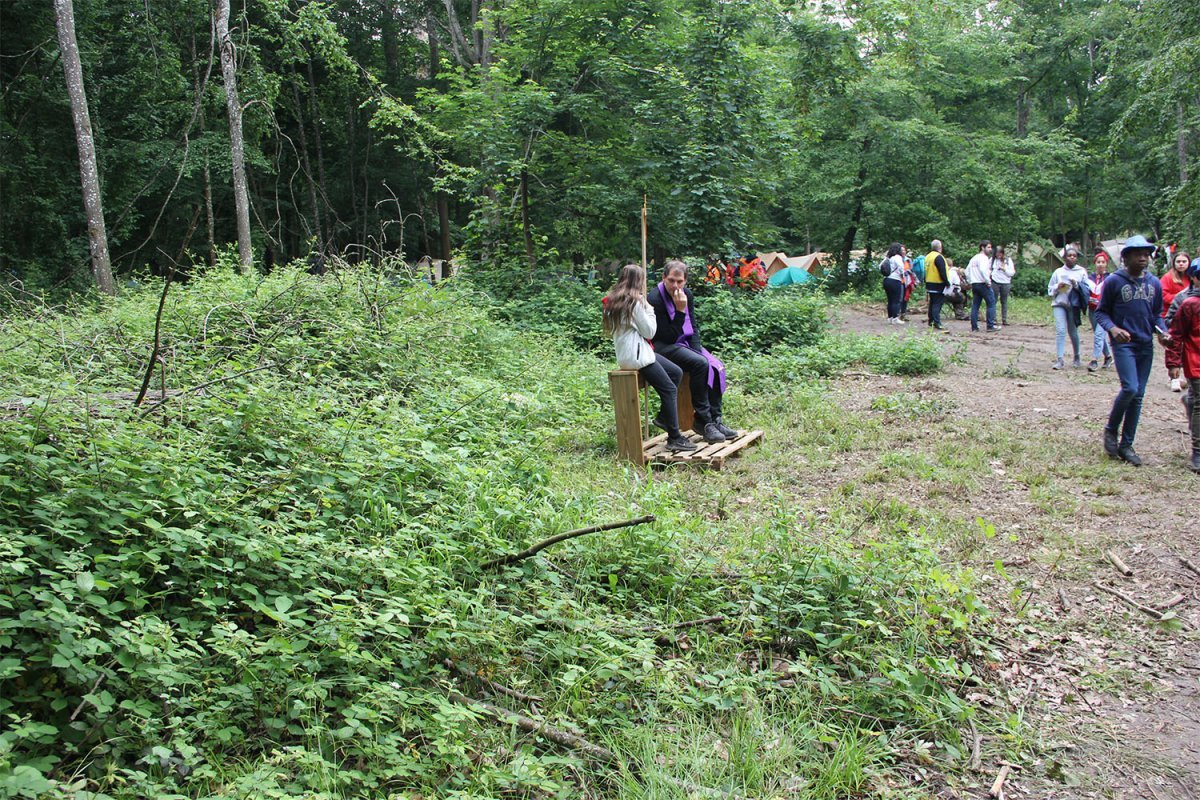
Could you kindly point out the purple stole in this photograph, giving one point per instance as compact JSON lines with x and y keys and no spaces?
{"x":716,"y":370}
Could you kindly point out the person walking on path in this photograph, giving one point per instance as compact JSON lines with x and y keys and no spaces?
{"x":1002,"y":271}
{"x":893,"y":282}
{"x":1173,"y":282}
{"x":1067,"y":288}
{"x":979,"y":276}
{"x":937,"y":282}
{"x":677,"y":339}
{"x":629,"y":319}
{"x":1129,"y":311}
{"x":1100,"y":345}
{"x":1184,"y":344}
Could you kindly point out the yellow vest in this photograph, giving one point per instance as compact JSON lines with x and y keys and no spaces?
{"x":932,"y":273}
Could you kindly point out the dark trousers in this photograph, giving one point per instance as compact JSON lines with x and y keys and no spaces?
{"x":1002,"y":292}
{"x":1191,"y":401}
{"x":895,"y":296}
{"x":936,"y":301}
{"x":706,"y":400}
{"x":665,"y":377}
{"x":982,"y":293}
{"x":1133,"y":361}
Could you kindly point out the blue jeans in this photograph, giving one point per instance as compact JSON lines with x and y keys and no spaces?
{"x":1100,"y":345}
{"x":1133,"y":361}
{"x":982,"y":292}
{"x":1063,"y":325}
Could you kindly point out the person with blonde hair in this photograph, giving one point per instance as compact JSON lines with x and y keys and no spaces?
{"x":630,"y":321}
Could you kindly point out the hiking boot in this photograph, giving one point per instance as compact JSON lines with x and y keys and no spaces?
{"x":1194,"y":464}
{"x":1058,"y":364}
{"x":1127,"y":454}
{"x":1107,"y":363}
{"x":1093,"y":366}
{"x":712,"y":434}
{"x":678,"y":443}
{"x":1110,"y":444}
{"x":726,"y":431}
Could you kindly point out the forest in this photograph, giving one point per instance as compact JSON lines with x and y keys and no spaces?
{"x":522,"y":136}
{"x":281,"y":518}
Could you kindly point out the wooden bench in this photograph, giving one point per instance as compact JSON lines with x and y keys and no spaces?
{"x":634,"y":442}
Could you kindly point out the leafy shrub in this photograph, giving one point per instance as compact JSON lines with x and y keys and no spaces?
{"x":889,"y":355}
{"x":1031,"y":282}
{"x":735,"y":322}
{"x":559,"y":307}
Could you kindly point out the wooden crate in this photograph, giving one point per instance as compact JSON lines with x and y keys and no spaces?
{"x":634,"y":442}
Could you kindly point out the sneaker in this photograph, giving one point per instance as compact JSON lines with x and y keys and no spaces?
{"x":994,"y":329}
{"x":1093,"y":366}
{"x":899,"y":321}
{"x":1076,"y":364}
{"x":712,"y":434}
{"x":1176,"y":385}
{"x":659,"y":423}
{"x":1127,"y":454}
{"x":726,"y":431}
{"x":678,"y":443}
{"x":1194,"y":464}
{"x":1110,"y":444}
{"x":1058,"y":364}
{"x":1107,"y":362}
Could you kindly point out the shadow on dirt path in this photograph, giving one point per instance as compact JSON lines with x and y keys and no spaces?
{"x":1112,"y":695}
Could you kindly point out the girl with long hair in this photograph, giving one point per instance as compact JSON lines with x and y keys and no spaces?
{"x":893,"y":282}
{"x":1174,"y":281}
{"x":629,"y":320}
{"x":1002,"y":270}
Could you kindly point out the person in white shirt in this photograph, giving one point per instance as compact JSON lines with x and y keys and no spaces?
{"x":1002,"y":270}
{"x":893,"y":282}
{"x":979,"y":271}
{"x":1069,"y":289}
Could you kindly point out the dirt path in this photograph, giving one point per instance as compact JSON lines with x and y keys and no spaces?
{"x":1113,"y":696}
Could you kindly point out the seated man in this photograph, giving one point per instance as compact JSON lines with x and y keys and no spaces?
{"x":677,"y":339}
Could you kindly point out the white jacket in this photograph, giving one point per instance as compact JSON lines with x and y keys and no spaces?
{"x":633,"y":351}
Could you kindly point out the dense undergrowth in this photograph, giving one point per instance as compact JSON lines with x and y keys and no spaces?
{"x":272,"y":586}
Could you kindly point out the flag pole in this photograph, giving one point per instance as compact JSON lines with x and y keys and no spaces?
{"x":644,"y":212}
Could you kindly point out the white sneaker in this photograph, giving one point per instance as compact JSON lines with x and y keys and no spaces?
{"x":899,"y":321}
{"x":1176,"y":385}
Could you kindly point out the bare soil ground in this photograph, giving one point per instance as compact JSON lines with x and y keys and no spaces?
{"x":1112,"y":696}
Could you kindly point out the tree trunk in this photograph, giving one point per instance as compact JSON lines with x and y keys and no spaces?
{"x":237,"y":146}
{"x":1181,"y":143}
{"x":525,"y":232}
{"x":319,"y":244}
{"x":89,"y":175}
{"x":322,"y":186}
{"x":1022,"y":113}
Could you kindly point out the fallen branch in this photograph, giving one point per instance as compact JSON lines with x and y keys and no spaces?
{"x":1064,"y":600}
{"x":562,"y":537}
{"x":498,"y":688}
{"x":560,"y":737}
{"x":688,"y":624}
{"x":1190,"y":565}
{"x":1172,"y":601}
{"x":997,"y":790}
{"x":976,"y":763}
{"x":1120,"y":565}
{"x":207,"y":384}
{"x":1129,"y":601}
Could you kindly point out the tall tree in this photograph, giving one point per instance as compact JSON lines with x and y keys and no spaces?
{"x":237,"y":145}
{"x":89,"y":175}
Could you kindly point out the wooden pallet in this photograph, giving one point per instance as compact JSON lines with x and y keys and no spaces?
{"x":656,"y":454}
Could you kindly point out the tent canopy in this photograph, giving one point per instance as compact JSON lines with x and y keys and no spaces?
{"x":789,"y":276}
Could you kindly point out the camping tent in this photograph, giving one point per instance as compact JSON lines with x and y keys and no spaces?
{"x":776,"y":263}
{"x":789,"y":276}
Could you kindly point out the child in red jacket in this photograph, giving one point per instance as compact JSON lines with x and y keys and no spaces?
{"x":1185,"y":342}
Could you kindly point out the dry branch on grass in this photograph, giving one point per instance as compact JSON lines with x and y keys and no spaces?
{"x":594,"y":752}
{"x":562,"y":537}
{"x":1129,"y":601}
{"x":1120,"y":565}
{"x":498,"y":688}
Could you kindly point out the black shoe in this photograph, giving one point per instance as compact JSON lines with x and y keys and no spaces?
{"x":659,"y":423}
{"x":993,"y":329}
{"x":678,"y":443}
{"x":712,"y":434}
{"x":1194,"y":464}
{"x":1093,"y":366}
{"x":1127,"y":454}
{"x":726,"y":431}
{"x":1110,"y":444}
{"x":1108,"y":362}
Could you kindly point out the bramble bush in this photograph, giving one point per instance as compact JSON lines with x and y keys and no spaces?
{"x":250,"y":588}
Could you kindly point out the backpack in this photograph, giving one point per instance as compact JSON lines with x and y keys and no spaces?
{"x":885,"y":267}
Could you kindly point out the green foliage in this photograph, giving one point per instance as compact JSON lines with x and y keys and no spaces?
{"x":250,"y":588}
{"x":889,"y":355}
{"x":1031,"y":282}
{"x":560,"y":307}
{"x":742,"y":323}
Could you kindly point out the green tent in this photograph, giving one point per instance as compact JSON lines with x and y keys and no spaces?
{"x":789,"y":276}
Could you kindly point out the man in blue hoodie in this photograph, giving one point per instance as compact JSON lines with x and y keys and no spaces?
{"x":1130,"y":302}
